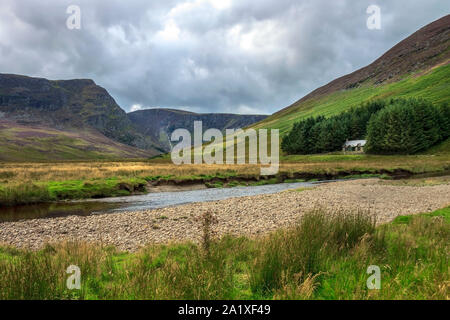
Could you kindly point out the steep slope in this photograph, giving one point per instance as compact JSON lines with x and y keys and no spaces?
{"x":77,"y":107}
{"x":418,"y":66}
{"x":160,"y":123}
{"x":39,"y":143}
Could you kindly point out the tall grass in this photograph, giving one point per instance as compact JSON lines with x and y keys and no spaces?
{"x":29,"y":193}
{"x":302,"y":251}
{"x":22,"y":183}
{"x":325,"y":256}
{"x":24,"y":193}
{"x":42,"y":275}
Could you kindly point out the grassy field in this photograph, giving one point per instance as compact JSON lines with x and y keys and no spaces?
{"x":33,"y":182}
{"x":325,"y":256}
{"x":432,"y":85}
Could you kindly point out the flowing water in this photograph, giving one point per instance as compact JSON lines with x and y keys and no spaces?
{"x":166,"y":199}
{"x":138,"y":202}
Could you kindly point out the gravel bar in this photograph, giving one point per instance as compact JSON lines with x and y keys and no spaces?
{"x":250,"y":216}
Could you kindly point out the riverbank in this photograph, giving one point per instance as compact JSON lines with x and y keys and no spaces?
{"x":31,"y":183}
{"x":152,"y":200}
{"x":249,"y":216}
{"x":325,"y":255}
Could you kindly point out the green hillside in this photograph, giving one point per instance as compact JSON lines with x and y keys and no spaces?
{"x":433,"y":85}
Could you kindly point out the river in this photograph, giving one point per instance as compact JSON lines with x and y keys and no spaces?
{"x":139,"y":202}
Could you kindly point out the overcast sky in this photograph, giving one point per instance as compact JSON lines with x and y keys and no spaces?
{"x":237,"y":56}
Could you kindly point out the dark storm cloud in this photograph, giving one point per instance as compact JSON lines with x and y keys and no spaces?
{"x":204,"y":55}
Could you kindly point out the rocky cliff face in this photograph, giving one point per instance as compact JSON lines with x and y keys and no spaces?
{"x":160,"y":123}
{"x":67,"y":104}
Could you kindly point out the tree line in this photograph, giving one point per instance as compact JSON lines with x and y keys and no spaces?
{"x":396,"y":126}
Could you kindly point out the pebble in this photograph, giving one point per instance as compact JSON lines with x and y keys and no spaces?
{"x":250,"y":216}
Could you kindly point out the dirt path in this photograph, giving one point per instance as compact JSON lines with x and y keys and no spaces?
{"x":243,"y":216}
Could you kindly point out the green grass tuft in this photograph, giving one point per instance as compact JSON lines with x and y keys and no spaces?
{"x":325,"y":256}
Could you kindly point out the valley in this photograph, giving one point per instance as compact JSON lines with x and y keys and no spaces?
{"x":84,"y":182}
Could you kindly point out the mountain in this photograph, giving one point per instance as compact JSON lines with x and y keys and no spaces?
{"x":158,"y":124}
{"x":61,"y":119}
{"x":44,"y":119}
{"x":418,"y":66}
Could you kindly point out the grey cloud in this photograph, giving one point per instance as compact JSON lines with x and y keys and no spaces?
{"x":253,"y":56}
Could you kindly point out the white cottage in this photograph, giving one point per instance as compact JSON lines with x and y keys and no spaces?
{"x":354,"y":146}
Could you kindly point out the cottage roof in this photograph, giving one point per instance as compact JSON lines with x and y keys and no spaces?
{"x":355,"y":143}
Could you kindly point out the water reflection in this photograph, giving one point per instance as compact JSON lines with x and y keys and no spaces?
{"x":53,"y":210}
